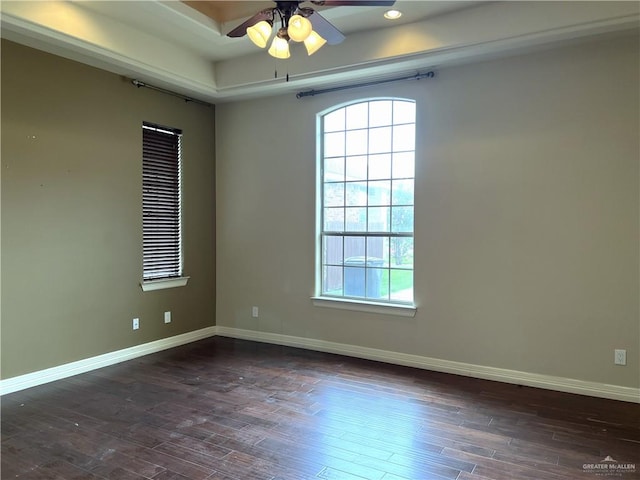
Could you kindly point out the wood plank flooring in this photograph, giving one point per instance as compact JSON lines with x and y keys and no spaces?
{"x":225,"y":409}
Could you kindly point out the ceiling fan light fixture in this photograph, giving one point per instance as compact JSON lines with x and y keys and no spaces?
{"x":260,"y":33}
{"x":297,"y":23}
{"x":280,"y":45}
{"x":299,"y":28}
{"x":313,"y":43}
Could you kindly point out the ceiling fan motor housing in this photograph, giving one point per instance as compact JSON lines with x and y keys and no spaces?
{"x":287,"y":10}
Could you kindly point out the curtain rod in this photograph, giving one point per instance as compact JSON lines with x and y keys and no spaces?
{"x":417,"y":76}
{"x":139,"y":84}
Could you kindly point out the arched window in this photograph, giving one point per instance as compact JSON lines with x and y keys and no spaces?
{"x":367,"y":158}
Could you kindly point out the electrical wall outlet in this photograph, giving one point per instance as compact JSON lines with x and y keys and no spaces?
{"x":167,"y":317}
{"x":136,"y":323}
{"x":254,"y":312}
{"x":620,"y":357}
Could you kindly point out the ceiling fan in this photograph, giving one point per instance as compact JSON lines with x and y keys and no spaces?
{"x":299,"y":24}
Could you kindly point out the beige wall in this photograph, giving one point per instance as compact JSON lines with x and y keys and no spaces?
{"x":527,"y":241}
{"x":72,"y":213}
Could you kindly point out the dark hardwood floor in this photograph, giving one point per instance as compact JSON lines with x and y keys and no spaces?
{"x":224,"y":409}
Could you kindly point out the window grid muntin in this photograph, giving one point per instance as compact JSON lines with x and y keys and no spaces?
{"x":366,"y":232}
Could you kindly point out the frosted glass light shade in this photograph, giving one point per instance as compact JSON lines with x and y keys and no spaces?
{"x":313,"y":43}
{"x":279,"y":47}
{"x":260,"y":33}
{"x":299,"y":28}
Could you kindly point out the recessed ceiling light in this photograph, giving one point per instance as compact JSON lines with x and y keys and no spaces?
{"x":392,"y":14}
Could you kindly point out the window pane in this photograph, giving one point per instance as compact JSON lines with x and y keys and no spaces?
{"x":334,"y":219}
{"x":334,"y":194}
{"x":353,"y":280}
{"x":401,"y":288}
{"x":384,"y":285}
{"x":404,"y":112}
{"x":402,"y":252}
{"x":380,"y":192}
{"x":357,"y":116}
{"x":380,"y":140}
{"x":378,"y":219}
{"x":334,"y":169}
{"x":404,"y":138}
{"x":334,"y":121}
{"x":334,"y":144}
{"x":402,"y":219}
{"x":356,"y":142}
{"x":380,"y":113}
{"x":378,"y":247}
{"x":357,"y":168}
{"x":332,"y":250}
{"x":403,"y":192}
{"x":377,"y":280}
{"x":379,"y":166}
{"x":354,"y":247}
{"x":403,"y":165}
{"x":332,"y":280}
{"x":356,"y":194}
{"x":356,"y":219}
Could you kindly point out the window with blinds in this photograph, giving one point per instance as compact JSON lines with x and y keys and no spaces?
{"x":161,"y":169}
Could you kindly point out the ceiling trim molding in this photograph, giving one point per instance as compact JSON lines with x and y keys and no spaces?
{"x":64,"y":28}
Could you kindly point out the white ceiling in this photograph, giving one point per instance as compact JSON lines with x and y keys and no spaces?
{"x":171,"y":45}
{"x":189,"y":28}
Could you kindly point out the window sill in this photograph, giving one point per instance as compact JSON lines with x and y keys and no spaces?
{"x":358,"y":306}
{"x":150,"y":285}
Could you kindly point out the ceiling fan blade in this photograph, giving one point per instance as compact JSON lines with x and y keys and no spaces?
{"x":356,"y":3}
{"x":241,"y":30}
{"x":325,"y":29}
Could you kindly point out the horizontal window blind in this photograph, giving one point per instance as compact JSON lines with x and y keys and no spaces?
{"x":161,"y":169}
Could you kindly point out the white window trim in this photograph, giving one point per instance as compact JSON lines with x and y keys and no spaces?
{"x":398,"y":309}
{"x":163,"y":283}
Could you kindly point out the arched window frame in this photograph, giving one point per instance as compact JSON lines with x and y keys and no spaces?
{"x":365,"y":220}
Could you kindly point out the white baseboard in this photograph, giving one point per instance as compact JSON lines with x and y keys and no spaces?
{"x":569,"y":385}
{"x":40,"y":377}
